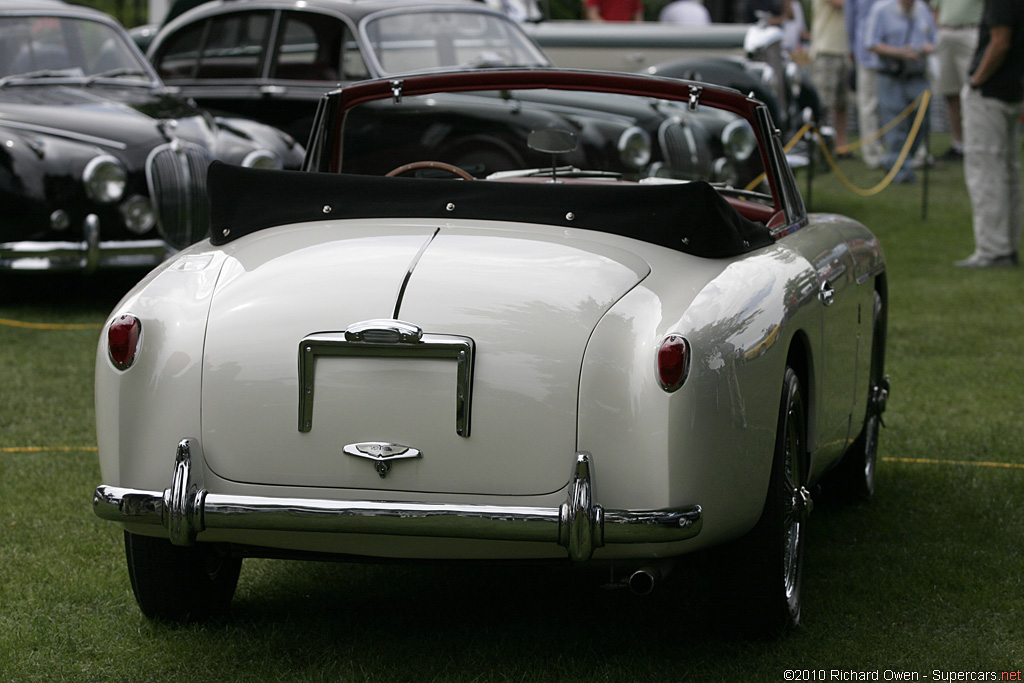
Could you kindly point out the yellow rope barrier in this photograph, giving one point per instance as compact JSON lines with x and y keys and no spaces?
{"x":49,"y":326}
{"x":968,"y":463}
{"x":884,"y":129}
{"x":920,"y":104}
{"x":47,"y":449}
{"x":905,"y":461}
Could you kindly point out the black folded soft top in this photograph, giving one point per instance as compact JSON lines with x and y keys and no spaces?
{"x":689,"y":217}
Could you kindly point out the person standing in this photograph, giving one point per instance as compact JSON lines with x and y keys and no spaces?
{"x":866,"y":65}
{"x":957,"y":22}
{"x":902,"y":34}
{"x":829,"y":54}
{"x":770,"y":12}
{"x":686,"y":12}
{"x":613,"y":10}
{"x":992,"y":103}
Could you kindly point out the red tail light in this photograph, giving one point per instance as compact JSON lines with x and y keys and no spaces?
{"x":123,"y":341}
{"x":673,"y":362}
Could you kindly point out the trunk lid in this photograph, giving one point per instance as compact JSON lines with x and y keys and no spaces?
{"x":528,"y":302}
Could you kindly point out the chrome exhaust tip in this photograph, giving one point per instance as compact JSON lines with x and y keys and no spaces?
{"x":643,"y":580}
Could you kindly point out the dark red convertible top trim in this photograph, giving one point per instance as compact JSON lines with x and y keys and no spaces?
{"x":691,"y":217}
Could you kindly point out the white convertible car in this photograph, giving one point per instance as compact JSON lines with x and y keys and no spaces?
{"x":547,"y":364}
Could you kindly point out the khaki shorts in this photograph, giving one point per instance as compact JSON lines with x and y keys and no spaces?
{"x":953,"y":51}
{"x":829,"y":74}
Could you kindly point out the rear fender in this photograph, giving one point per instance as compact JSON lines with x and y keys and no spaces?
{"x":711,"y":442}
{"x":143,"y":412}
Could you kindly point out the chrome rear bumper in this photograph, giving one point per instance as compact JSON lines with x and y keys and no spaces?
{"x":578,"y":524}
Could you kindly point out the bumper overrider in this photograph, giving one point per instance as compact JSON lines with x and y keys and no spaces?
{"x":578,"y":524}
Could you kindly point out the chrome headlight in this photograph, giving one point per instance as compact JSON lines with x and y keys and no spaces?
{"x":105,"y":179}
{"x":138,"y":214}
{"x":635,"y":147}
{"x":739,"y":140}
{"x":261,"y":158}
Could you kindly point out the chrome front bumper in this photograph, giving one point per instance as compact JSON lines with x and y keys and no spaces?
{"x":578,"y":524}
{"x":86,"y":256}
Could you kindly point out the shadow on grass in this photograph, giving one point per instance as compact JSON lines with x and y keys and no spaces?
{"x":899,"y":580}
{"x":64,"y":294}
{"x":454,"y":621}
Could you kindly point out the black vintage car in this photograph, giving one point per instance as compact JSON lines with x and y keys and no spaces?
{"x":101,"y":165}
{"x":273,"y":60}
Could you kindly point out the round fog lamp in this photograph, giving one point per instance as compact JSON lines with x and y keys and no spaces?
{"x":104,"y":179}
{"x":59,"y":220}
{"x":138,"y":215}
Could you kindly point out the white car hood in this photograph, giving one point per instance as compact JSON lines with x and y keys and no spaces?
{"x":529,"y":302}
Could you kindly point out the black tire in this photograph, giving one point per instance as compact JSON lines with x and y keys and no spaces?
{"x":178,"y":583}
{"x":759,"y":576}
{"x":854,"y":478}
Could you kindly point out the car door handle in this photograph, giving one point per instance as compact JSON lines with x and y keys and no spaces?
{"x":827,"y":293}
{"x":272,"y":90}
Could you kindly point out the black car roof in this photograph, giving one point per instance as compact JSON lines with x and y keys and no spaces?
{"x":50,"y":7}
{"x":31,"y":4}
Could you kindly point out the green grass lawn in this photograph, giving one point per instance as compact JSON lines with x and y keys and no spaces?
{"x":927,"y":577}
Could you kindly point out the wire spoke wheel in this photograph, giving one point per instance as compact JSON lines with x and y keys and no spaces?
{"x":758,"y":577}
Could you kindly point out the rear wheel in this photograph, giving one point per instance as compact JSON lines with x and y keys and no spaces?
{"x":180,"y":583}
{"x":760,"y":575}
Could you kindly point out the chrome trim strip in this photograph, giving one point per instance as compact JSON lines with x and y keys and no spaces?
{"x":388,"y":339}
{"x":62,"y":133}
{"x":408,"y":272}
{"x":185,"y":509}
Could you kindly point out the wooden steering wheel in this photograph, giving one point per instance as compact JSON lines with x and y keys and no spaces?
{"x":438,"y":165}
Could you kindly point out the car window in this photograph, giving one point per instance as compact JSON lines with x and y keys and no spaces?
{"x":68,"y":47}
{"x":234,"y":46}
{"x":637,"y":138}
{"x":227,"y":46}
{"x":314,"y":47}
{"x":180,"y":54}
{"x":418,"y":41}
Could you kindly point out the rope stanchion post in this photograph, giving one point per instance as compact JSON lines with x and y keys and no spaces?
{"x":927,"y":170}
{"x":809,"y":137}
